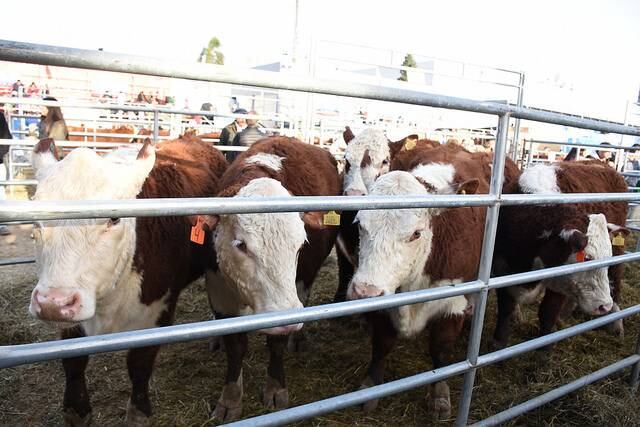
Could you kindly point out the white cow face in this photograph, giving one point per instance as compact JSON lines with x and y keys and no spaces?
{"x":590,"y":288}
{"x":258,"y":253}
{"x":367,"y":157}
{"x":394,"y":244}
{"x":80,"y":262}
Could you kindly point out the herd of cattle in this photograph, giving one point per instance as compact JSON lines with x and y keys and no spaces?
{"x":98,"y":276}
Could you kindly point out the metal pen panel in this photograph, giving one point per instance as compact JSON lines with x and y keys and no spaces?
{"x":556,"y":393}
{"x":106,"y":61}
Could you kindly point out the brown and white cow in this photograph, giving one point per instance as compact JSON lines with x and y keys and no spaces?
{"x":367,"y":156}
{"x":98,"y":276}
{"x":268,"y":262}
{"x":533,"y":237}
{"x":411,"y":249}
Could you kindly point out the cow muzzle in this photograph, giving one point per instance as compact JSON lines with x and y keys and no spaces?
{"x":363,"y":290}
{"x":282,"y":330}
{"x":353,"y":192}
{"x":56,"y":304}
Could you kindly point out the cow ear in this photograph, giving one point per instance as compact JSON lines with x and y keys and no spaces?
{"x":616,"y":230}
{"x":209,"y":222}
{"x":313,"y":219}
{"x":576,"y":239}
{"x":468,"y":187}
{"x":347,"y":135}
{"x":44,"y":155}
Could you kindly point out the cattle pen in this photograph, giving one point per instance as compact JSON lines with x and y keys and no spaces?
{"x":13,"y":355}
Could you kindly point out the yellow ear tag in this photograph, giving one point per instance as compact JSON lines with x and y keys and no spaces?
{"x":463,"y":192}
{"x":331,"y":218}
{"x":618,"y":240}
{"x":410,"y":144}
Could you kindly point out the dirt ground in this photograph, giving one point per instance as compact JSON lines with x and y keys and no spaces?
{"x":188,"y":378}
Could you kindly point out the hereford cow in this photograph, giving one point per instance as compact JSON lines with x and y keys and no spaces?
{"x":533,"y":237}
{"x":268,"y":262}
{"x":410,"y":249}
{"x":366,"y":158}
{"x":98,"y":276}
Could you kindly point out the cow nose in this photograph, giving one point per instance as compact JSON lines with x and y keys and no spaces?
{"x":604,"y":308}
{"x":364,"y":290}
{"x":353,"y":192}
{"x":55,"y":304}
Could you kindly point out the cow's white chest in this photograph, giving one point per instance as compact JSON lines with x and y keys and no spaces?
{"x":409,"y":320}
{"x":122,"y":309}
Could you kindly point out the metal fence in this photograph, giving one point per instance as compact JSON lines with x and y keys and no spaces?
{"x":13,"y":355}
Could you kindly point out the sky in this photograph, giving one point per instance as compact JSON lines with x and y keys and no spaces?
{"x":588,"y":43}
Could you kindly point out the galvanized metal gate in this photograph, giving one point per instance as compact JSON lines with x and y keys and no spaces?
{"x":13,"y":355}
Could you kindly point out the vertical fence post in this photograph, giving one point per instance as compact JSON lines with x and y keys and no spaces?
{"x":488,"y":242}
{"x":635,"y":372}
{"x":156,"y":126}
{"x":516,"y":125}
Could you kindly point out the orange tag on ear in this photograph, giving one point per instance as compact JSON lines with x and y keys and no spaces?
{"x":197,"y":232}
{"x":580,"y":256}
{"x":410,"y":144}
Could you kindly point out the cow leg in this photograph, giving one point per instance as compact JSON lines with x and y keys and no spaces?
{"x":345,"y":273}
{"x":443,"y":335}
{"x":76,"y":405}
{"x":296,"y":341}
{"x":275,"y":394}
{"x":549,"y":311}
{"x":383,"y":339}
{"x":506,"y":307}
{"x":616,"y":273}
{"x":229,"y":406}
{"x":140,"y":366}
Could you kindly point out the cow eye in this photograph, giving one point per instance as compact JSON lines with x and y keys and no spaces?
{"x":415,"y":236}
{"x":385,"y":162}
{"x":240,"y":245}
{"x":588,"y":258}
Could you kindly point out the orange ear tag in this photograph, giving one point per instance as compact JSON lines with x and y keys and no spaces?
{"x":197,"y":232}
{"x":580,"y":256}
{"x":410,"y":144}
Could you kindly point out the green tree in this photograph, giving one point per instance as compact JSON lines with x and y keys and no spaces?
{"x":408,"y":62}
{"x":211,"y":54}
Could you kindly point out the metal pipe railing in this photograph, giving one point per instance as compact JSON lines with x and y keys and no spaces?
{"x":556,"y":393}
{"x":23,"y":211}
{"x":105,"y":61}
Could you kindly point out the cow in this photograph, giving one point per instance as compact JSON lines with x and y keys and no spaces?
{"x":366,"y":158}
{"x":533,"y":237}
{"x":120,"y":130}
{"x":268,"y":262}
{"x":98,"y":276}
{"x":411,"y":249}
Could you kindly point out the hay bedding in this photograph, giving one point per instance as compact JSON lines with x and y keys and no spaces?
{"x":188,"y":378}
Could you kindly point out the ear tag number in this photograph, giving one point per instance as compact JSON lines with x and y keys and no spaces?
{"x":580,"y":256}
{"x":197,"y":232}
{"x":331,"y":218}
{"x":618,"y":240}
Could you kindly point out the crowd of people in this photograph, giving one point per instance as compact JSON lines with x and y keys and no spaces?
{"x":31,"y":91}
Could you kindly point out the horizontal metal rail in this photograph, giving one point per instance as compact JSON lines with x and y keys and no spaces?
{"x":14,"y":355}
{"x":16,"y":261}
{"x":608,"y":147}
{"x":29,"y":353}
{"x":70,"y":209}
{"x":106,"y":61}
{"x":320,"y":407}
{"x":556,"y":393}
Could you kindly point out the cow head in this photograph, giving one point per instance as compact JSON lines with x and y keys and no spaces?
{"x":395,"y":244}
{"x":590,"y":288}
{"x":258,"y":253}
{"x":366,"y":157}
{"x":80,"y":261}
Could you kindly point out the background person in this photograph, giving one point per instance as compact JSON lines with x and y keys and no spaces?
{"x":229,"y":132}
{"x":5,"y":133}
{"x":52,"y":124}
{"x":247,"y":136}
